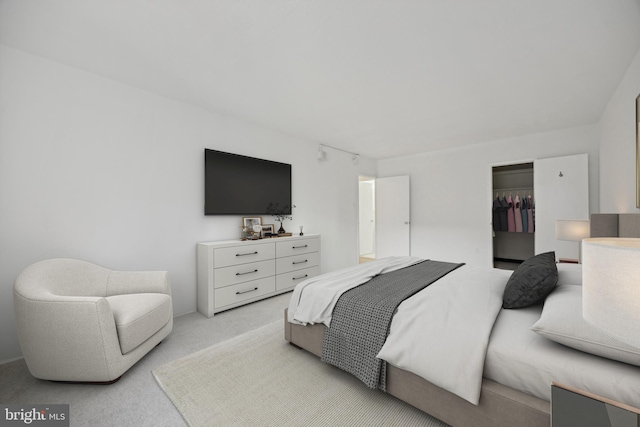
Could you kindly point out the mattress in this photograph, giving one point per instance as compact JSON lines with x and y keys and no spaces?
{"x":523,"y":360}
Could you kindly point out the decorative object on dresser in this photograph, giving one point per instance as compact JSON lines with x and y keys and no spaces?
{"x":251,"y":227}
{"x":611,"y":296}
{"x":268,"y":230}
{"x":572,"y":407}
{"x":232,"y":273}
{"x":280,"y":214}
{"x":573,"y":230}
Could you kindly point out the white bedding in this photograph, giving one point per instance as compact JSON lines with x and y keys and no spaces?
{"x":441,"y":330}
{"x":523,"y":360}
{"x":313,"y":300}
{"x":454,"y":315}
{"x":441,"y":333}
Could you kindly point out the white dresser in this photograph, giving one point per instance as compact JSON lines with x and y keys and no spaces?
{"x":234,"y":272}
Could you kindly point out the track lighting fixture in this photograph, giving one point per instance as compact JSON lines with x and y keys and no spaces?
{"x":322,"y":154}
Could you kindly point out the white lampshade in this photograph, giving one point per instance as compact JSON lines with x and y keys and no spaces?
{"x":572,"y":229}
{"x":611,"y":286}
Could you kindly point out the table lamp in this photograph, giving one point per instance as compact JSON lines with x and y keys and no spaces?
{"x":573,"y":230}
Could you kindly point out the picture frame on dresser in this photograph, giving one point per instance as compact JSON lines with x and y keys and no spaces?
{"x":269,"y":230}
{"x":250,"y":221}
{"x":252,"y":227}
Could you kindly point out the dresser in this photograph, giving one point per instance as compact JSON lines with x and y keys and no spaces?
{"x":233,"y":272}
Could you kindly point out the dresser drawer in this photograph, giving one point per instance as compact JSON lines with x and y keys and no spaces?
{"x":291,"y":279}
{"x":244,"y":291}
{"x":232,"y":273}
{"x":296,"y":247}
{"x":224,"y":257}
{"x":297,"y":262}
{"x":244,"y":272}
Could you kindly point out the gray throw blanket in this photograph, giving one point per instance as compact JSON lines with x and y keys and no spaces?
{"x":362,"y":317}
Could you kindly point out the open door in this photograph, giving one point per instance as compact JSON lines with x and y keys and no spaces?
{"x":562,"y":192}
{"x":367,"y":219}
{"x":393,"y":231}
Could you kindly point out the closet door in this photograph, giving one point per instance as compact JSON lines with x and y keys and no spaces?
{"x":561,"y":192}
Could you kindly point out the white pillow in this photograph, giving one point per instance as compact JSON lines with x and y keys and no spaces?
{"x":561,"y":321}
{"x":569,"y":274}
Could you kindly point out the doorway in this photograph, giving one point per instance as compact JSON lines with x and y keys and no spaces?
{"x":384,"y":217}
{"x":513,"y":236}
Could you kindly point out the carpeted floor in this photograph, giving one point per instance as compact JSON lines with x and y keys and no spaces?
{"x":136,"y":400}
{"x":258,"y":379}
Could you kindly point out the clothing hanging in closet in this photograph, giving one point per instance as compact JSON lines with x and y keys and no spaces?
{"x":530,"y":215}
{"x":524,"y":215}
{"x":516,"y":215}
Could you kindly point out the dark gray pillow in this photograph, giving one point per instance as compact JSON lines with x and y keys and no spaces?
{"x":531,"y":282}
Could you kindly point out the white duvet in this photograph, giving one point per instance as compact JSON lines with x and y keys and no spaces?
{"x":440,"y":334}
{"x":313,"y":300}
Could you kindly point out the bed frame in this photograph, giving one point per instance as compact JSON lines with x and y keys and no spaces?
{"x":499,"y":406}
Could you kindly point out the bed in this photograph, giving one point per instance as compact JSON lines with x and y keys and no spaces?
{"x":520,"y":363}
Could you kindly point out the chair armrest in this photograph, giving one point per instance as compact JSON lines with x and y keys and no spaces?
{"x":77,"y":330}
{"x":138,"y":282}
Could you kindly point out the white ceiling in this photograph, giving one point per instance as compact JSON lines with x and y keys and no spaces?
{"x":380,"y":78}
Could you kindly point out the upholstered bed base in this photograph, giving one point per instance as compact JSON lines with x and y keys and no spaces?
{"x":499,"y":406}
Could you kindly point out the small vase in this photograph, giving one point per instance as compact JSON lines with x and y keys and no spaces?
{"x":281,"y":230}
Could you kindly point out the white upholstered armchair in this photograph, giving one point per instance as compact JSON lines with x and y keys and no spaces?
{"x":81,"y":322}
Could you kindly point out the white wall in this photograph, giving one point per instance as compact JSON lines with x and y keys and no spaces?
{"x":97,"y":170}
{"x":451,"y":191}
{"x":617,"y":146}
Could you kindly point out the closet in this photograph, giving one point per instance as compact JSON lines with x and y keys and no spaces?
{"x":559,"y":189}
{"x":513,"y":214}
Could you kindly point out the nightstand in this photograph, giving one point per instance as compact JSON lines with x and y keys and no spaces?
{"x":571,"y":407}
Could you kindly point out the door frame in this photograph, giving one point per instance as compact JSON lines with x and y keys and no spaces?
{"x":363,"y":178}
{"x":490,"y":198}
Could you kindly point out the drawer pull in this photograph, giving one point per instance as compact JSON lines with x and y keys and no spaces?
{"x":301,"y":277}
{"x":300,"y":262}
{"x":246,"y":272}
{"x":299,"y":247}
{"x":244,"y":292}
{"x":249,"y":253}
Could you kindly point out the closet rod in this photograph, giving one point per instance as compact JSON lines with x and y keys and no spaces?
{"x":512,"y":189}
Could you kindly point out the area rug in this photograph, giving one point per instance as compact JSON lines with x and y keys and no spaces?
{"x":258,"y":379}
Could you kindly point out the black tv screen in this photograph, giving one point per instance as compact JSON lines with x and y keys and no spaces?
{"x":241,"y":185}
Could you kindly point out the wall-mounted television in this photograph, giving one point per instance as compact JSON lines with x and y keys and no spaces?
{"x":241,"y":185}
